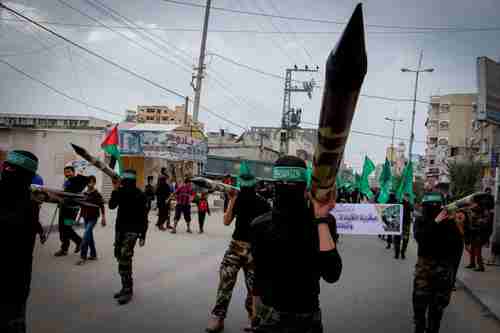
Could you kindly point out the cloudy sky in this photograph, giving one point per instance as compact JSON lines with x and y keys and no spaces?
{"x":166,"y":51}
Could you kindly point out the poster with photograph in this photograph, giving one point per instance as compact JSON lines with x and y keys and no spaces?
{"x":368,"y":219}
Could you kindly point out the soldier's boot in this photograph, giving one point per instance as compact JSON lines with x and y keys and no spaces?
{"x":126,"y":296}
{"x":215,"y":324}
{"x":61,"y":253}
{"x":434,"y":321}
{"x":118,"y":294}
{"x":403,"y":255}
{"x":189,"y":228}
{"x":396,"y":253}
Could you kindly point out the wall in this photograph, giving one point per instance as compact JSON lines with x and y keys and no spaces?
{"x":52,"y":147}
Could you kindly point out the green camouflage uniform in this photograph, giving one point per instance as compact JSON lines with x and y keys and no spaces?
{"x":237,"y":257}
{"x":124,"y":251}
{"x":431,"y":292}
{"x":268,"y":320}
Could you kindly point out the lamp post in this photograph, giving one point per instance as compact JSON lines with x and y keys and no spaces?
{"x":417,"y":72}
{"x":394,"y":121}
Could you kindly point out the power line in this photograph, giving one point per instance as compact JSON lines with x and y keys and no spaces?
{"x":276,"y":10}
{"x":110,"y":62}
{"x":122,"y":35}
{"x":250,"y":31}
{"x":371,"y":134}
{"x":303,"y":19}
{"x":107,"y":10}
{"x":57,"y":91}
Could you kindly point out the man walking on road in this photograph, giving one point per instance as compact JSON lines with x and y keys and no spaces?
{"x":407,"y":214}
{"x":293,"y":247}
{"x":184,"y":195}
{"x":67,"y":214}
{"x":163,"y":192}
{"x":131,"y":225}
{"x":244,"y":206}
{"x":20,"y":225}
{"x":434,"y":271}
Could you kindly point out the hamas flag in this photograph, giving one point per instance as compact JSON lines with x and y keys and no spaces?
{"x":364,"y":186}
{"x":111,"y":146}
{"x":406,"y":185}
{"x":385,"y":182}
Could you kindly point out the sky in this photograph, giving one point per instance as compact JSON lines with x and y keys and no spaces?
{"x":167,"y":54}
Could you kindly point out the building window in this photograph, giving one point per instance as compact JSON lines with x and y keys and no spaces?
{"x":432,"y":141}
{"x":150,"y":118}
{"x":431,"y":162}
{"x":445,"y":108}
{"x":164,"y":118}
{"x":453,"y":151}
{"x":444,"y":125}
{"x":443,"y":141}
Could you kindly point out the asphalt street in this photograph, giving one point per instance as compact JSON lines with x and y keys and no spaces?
{"x":176,"y":278}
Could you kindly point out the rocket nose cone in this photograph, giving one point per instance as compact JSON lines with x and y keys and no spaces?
{"x":349,"y":56}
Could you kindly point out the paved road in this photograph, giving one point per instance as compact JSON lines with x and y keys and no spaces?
{"x":176,"y":278}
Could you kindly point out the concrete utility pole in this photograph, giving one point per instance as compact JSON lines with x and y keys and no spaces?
{"x":417,"y":72}
{"x":394,"y":121}
{"x":201,"y":64}
{"x":290,"y":118}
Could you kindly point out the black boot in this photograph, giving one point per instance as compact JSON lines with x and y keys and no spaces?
{"x":125,"y":297}
{"x":118,"y":294}
{"x":403,"y":256}
{"x":434,"y":321}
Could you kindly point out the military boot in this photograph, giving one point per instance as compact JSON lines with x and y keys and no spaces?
{"x":118,"y":294}
{"x":215,"y":324}
{"x":125,"y":297}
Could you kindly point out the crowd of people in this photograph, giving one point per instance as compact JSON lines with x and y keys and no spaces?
{"x":283,"y":238}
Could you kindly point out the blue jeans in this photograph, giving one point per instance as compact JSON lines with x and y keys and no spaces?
{"x":88,"y":239}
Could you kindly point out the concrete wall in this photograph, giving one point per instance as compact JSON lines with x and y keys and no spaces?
{"x":52,"y":147}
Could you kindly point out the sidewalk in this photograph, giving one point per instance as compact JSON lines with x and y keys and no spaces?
{"x":483,"y":286}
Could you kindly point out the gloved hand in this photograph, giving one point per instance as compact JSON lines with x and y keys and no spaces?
{"x":142,"y":242}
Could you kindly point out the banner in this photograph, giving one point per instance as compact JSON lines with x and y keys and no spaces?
{"x":368,"y":219}
{"x":162,"y":145}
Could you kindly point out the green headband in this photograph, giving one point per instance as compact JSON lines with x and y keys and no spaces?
{"x":22,"y":161}
{"x":129,"y":175}
{"x":247,"y":181}
{"x":290,"y":174}
{"x":432,"y":197}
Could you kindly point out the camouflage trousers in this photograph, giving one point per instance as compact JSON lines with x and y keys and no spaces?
{"x":269,"y":320}
{"x":124,"y":252}
{"x":237,"y":257}
{"x":13,"y":319}
{"x":431,"y":293}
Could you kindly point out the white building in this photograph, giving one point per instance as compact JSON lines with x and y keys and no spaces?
{"x":49,"y":138}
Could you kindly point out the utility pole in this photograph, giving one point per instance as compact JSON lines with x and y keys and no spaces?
{"x":394,"y":121}
{"x":201,"y":64}
{"x":186,"y":105}
{"x":290,"y":117}
{"x":417,"y":72}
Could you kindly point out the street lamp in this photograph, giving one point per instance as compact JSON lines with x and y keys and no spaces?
{"x":393,"y":120}
{"x":417,"y":72}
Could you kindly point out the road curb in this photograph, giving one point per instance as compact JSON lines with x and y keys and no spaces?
{"x":486,"y":309}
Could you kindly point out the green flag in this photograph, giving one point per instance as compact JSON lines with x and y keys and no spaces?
{"x":406,"y":184}
{"x":357,"y":181}
{"x":368,"y":168}
{"x":385,"y":182}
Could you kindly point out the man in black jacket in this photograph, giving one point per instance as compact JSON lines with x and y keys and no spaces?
{"x":434,"y":271}
{"x":163,"y":192}
{"x":131,"y":225}
{"x":293,"y":247}
{"x":20,"y":224}
{"x":68,"y":213}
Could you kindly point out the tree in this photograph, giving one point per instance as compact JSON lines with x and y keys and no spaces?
{"x":464,"y":178}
